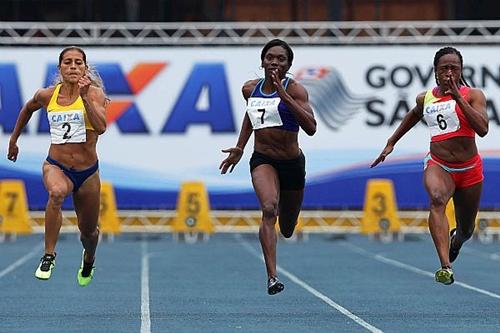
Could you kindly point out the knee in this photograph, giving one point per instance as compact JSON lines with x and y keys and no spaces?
{"x":287,"y":225}
{"x":89,"y":234}
{"x":286,"y":232}
{"x":270,"y":210}
{"x":438,"y":201}
{"x":56,"y":197}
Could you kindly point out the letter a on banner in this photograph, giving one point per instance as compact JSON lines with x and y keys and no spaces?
{"x":14,"y":208}
{"x":109,"y":223}
{"x":380,"y":210}
{"x":193,"y":211}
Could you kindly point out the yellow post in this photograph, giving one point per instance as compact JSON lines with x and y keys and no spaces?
{"x":193,"y":210}
{"x":380,"y":209}
{"x":450,"y":214}
{"x":109,"y":223}
{"x":14,"y":208}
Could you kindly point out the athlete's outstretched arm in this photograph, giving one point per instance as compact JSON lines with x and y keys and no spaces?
{"x":409,"y":120}
{"x":235,"y":153}
{"x":23,"y":118}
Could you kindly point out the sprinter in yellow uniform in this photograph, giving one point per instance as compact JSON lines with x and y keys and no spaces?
{"x":76,"y":113}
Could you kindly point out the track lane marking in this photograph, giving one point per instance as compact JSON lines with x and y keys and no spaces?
{"x":311,"y":290}
{"x":414,"y":269}
{"x":22,"y":260}
{"x":145,"y":314}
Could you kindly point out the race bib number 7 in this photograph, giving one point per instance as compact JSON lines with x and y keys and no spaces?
{"x":263,"y":112}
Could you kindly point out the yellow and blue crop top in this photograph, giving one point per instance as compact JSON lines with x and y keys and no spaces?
{"x":68,"y":124}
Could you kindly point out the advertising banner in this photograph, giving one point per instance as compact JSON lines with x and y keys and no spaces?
{"x":174,"y":109}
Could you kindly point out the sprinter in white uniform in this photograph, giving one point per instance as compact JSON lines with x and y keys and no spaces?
{"x":277,"y":107}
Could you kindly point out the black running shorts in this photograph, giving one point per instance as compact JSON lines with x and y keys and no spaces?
{"x":291,"y":173}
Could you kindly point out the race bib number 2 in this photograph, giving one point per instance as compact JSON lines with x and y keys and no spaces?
{"x":67,"y":126}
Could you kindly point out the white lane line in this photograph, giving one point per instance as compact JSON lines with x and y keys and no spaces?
{"x":481,"y":254}
{"x":310,"y":289}
{"x":478,"y":253}
{"x":145,"y":316}
{"x":414,"y":269}
{"x":22,"y":260}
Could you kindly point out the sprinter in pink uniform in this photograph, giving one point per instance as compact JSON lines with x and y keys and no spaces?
{"x":454,"y":113}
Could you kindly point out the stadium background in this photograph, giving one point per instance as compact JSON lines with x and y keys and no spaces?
{"x":174,"y":69}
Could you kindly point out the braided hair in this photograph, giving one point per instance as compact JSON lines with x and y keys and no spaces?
{"x":450,"y":50}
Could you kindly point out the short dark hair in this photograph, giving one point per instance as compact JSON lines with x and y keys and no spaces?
{"x":277,"y":42}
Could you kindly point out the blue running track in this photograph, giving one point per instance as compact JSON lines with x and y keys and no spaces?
{"x":150,"y":283}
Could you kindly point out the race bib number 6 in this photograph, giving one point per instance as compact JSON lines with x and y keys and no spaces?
{"x":441,"y":117}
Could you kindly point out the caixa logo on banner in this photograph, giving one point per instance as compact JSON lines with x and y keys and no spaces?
{"x":123,"y":87}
